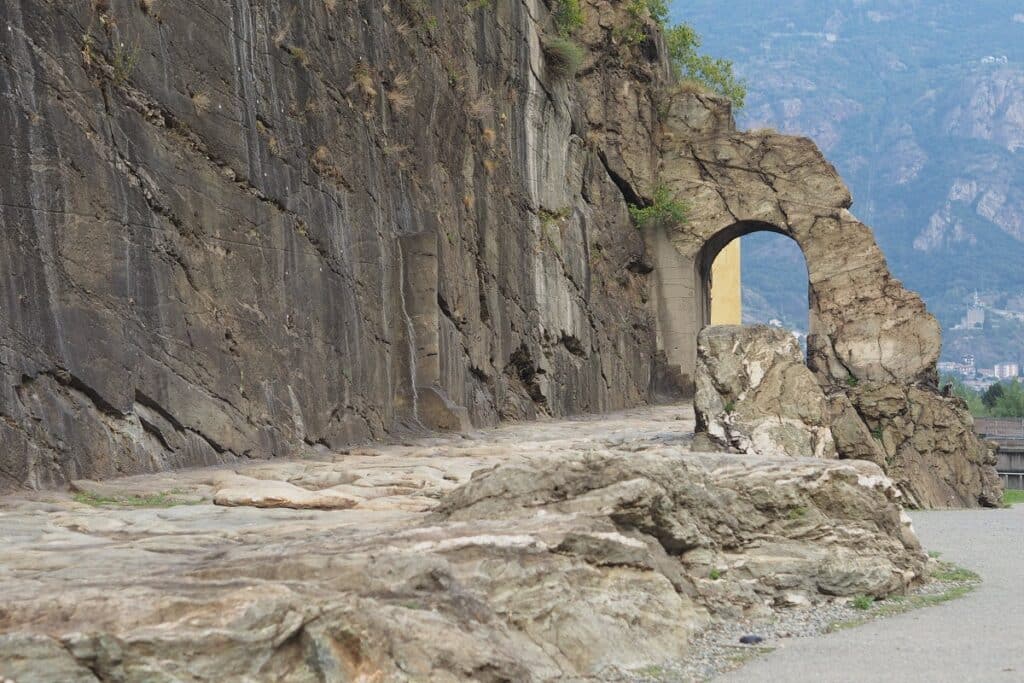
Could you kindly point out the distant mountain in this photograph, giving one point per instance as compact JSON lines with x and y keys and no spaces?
{"x":920,"y":105}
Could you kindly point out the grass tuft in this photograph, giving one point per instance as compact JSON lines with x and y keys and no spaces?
{"x":952,"y":573}
{"x":124,"y":62}
{"x":1012,"y":497}
{"x":563,"y":56}
{"x":863,"y":602}
{"x":963,"y":582}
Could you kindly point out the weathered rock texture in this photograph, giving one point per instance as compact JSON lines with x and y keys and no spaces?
{"x":756,"y":394}
{"x":870,"y":338}
{"x":242,"y":229}
{"x":248,"y":229}
{"x":565,"y":551}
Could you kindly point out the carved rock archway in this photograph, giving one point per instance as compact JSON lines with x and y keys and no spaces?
{"x":871,"y":338}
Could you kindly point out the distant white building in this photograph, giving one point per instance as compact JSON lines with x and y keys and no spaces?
{"x":964,"y":368}
{"x":975,"y":318}
{"x":1007,"y":370}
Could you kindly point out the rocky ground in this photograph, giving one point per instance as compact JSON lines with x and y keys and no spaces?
{"x":587,"y":549}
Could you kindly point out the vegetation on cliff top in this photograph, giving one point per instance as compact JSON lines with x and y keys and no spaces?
{"x":683,"y":43}
{"x":688,"y":64}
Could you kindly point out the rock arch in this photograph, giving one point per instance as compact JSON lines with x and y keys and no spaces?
{"x":872,"y":339}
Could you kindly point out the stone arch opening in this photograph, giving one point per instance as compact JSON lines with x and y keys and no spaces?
{"x":718,"y":248}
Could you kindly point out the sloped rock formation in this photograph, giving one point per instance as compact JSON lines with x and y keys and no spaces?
{"x":868,"y":333}
{"x":755,"y":394}
{"x":538,"y":553}
{"x":930,"y":446}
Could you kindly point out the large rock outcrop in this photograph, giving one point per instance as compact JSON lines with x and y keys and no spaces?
{"x":756,"y":394}
{"x":869,"y":336}
{"x":247,"y":229}
{"x":541,"y":553}
{"x":242,"y":230}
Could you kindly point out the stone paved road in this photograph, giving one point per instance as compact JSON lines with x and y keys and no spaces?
{"x":979,"y":638}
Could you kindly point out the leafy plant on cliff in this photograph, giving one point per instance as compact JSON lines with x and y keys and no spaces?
{"x":687,"y":63}
{"x":568,"y":16}
{"x":639,"y":11}
{"x":663,"y":211}
{"x":124,"y":62}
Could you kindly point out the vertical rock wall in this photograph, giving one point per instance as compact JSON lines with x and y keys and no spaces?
{"x":247,"y":228}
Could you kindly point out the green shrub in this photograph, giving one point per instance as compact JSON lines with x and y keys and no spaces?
{"x":563,"y":56}
{"x":797,"y":513}
{"x":664,"y":210}
{"x":658,"y":10}
{"x":639,"y":11}
{"x":863,"y":602}
{"x":124,"y":62}
{"x":716,"y":74}
{"x":568,"y":16}
{"x":715,"y":574}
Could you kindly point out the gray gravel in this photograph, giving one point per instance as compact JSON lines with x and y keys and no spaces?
{"x":974,"y":638}
{"x":977,"y":638}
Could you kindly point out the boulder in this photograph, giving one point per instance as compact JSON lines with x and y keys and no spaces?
{"x":930,"y":446}
{"x":756,"y":395}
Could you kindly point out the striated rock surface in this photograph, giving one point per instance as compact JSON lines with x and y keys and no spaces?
{"x":247,"y":229}
{"x":930,"y":446}
{"x":283,"y":229}
{"x":569,"y":550}
{"x":755,"y":393}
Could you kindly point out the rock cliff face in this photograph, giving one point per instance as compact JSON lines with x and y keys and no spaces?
{"x":247,"y":229}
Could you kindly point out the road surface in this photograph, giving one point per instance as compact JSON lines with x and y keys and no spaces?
{"x":978,"y":638}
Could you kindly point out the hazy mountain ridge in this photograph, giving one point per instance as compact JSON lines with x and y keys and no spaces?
{"x":920,"y":105}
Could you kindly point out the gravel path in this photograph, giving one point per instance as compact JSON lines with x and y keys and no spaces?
{"x":977,"y":638}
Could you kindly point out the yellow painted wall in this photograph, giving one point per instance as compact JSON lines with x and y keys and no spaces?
{"x":726,"y":292}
